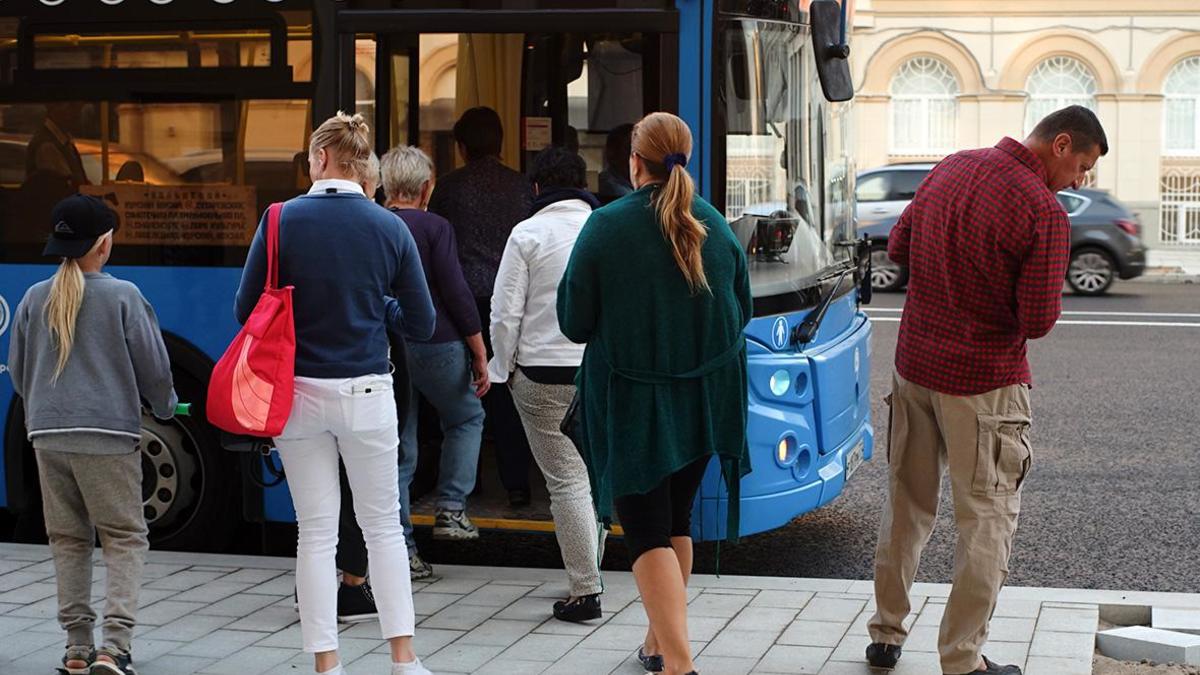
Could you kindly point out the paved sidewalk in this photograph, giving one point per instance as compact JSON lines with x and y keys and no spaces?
{"x":233,"y":614}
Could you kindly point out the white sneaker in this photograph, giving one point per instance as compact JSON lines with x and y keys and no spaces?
{"x":413,"y":667}
{"x":336,"y":670}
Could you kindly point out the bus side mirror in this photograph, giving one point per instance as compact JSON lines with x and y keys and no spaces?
{"x":832,"y":53}
{"x":865,"y":290}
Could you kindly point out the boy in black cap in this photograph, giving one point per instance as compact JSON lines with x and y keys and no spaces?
{"x":85,"y":351}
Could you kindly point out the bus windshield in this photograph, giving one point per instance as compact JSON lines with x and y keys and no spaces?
{"x":787,"y":165}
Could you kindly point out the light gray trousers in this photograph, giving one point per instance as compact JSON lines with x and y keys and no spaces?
{"x":542,"y":407}
{"x":84,"y":494}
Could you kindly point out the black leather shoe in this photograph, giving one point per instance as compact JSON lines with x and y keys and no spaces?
{"x":652,"y":663}
{"x":582,"y":608}
{"x":880,"y":655}
{"x":993,"y":669}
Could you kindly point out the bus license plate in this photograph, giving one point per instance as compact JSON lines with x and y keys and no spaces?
{"x":854,"y":459}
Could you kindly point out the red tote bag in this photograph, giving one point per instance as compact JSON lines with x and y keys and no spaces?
{"x":251,"y":388}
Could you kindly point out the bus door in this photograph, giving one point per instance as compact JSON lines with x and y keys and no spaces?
{"x":572,"y":78}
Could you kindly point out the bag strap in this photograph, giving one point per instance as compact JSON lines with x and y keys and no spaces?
{"x":273,"y":213}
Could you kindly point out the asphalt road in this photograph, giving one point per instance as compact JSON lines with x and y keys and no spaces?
{"x":1114,"y":497}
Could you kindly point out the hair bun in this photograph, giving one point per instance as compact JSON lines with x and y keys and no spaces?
{"x":358,"y":124}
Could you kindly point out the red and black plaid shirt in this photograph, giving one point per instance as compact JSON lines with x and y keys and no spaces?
{"x":986,"y":244}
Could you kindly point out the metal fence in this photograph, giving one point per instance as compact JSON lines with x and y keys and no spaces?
{"x":1179,"y":221}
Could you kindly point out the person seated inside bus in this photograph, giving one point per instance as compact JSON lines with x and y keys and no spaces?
{"x":614,"y":179}
{"x":450,"y":368}
{"x":483,"y":201}
{"x":52,"y":148}
{"x":539,"y":363}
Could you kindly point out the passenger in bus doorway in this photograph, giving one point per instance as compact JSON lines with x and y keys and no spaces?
{"x":356,"y":274}
{"x":483,"y":201}
{"x":539,"y":363}
{"x":658,"y":287}
{"x":85,"y":352}
{"x":450,"y":368}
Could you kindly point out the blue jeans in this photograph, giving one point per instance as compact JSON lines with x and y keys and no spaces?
{"x":441,"y":373}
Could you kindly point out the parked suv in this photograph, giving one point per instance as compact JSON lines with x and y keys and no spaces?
{"x":1106,"y":242}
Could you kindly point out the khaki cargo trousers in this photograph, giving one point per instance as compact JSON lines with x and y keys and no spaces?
{"x":984,"y":440}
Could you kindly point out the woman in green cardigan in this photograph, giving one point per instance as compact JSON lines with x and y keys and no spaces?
{"x":658,"y":288}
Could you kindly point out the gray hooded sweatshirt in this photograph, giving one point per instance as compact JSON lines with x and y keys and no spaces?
{"x":117,"y":361}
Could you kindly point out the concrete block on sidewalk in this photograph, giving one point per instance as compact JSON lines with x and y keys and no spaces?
{"x":1134,"y":643}
{"x":1178,"y":620}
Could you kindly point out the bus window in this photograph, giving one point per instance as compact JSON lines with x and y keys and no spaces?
{"x":187,"y":180}
{"x":775,"y":172}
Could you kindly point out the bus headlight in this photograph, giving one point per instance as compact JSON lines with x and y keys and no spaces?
{"x":781,"y":382}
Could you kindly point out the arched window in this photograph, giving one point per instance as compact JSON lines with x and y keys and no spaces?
{"x":1182,"y":124}
{"x":924,"y":108}
{"x":1056,"y":83}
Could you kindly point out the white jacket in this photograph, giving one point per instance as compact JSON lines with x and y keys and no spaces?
{"x":525,"y":299}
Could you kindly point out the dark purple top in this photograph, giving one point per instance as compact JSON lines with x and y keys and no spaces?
{"x":484,"y":201}
{"x":457,"y":315}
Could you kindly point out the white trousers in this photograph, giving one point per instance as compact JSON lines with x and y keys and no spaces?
{"x":355,"y":418}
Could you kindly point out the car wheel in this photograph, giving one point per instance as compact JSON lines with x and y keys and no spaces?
{"x":1091,"y":271}
{"x":886,"y":276}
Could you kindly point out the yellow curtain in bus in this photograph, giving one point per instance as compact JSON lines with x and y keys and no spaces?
{"x":489,"y":74}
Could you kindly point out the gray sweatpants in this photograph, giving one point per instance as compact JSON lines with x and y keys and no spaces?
{"x":580,"y":538}
{"x":83,"y":494}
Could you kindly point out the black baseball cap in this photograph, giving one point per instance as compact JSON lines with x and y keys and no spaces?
{"x":76,"y":223}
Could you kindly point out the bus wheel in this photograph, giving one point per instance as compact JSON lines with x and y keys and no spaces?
{"x":189,"y":485}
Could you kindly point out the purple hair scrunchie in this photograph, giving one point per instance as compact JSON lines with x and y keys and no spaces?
{"x":675,"y":159}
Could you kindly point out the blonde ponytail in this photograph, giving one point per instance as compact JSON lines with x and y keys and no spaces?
{"x":664,"y":143}
{"x":62,"y":308}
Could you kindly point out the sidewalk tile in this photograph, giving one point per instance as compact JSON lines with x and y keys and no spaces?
{"x":1065,"y":645}
{"x":166,"y":611}
{"x":1064,"y":620}
{"x":530,"y":609}
{"x":173,"y":664}
{"x":459,"y":617}
{"x":1005,"y":653}
{"x":31,"y":592}
{"x":211,"y":592}
{"x":220,"y":642}
{"x":846,"y":668}
{"x":495,"y":595}
{"x":188,"y":628}
{"x":371,"y":664}
{"x":932,"y":614}
{"x":541,"y":647}
{"x":456,"y":586}
{"x":267,"y":620}
{"x":704,"y":628}
{"x":718,"y":604}
{"x":615,"y":636}
{"x":290,"y":637}
{"x":252,"y":576}
{"x":922,"y":639}
{"x":917,"y":663}
{"x":555,"y":627}
{"x":831,"y":609}
{"x":14,"y":624}
{"x":503,"y":666}
{"x":46,"y":608}
{"x":428,"y":641}
{"x":185,"y":580}
{"x":20,"y":579}
{"x":746,"y":644}
{"x":1009,"y":629}
{"x":763,"y":619}
{"x":458,"y":658}
{"x":782,"y":599}
{"x":785,"y":659}
{"x":250,"y":661}
{"x":153,"y":570}
{"x":633,"y":615}
{"x":498,"y":633}
{"x":427,"y":603}
{"x":725,"y":665}
{"x":16,"y":646}
{"x":7,"y":566}
{"x":1024,"y":609}
{"x":814,"y":634}
{"x":238,"y":605}
{"x":581,"y":660}
{"x":284,"y":584}
{"x":1049,"y":665}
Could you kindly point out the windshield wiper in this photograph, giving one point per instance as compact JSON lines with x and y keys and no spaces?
{"x":807,"y":330}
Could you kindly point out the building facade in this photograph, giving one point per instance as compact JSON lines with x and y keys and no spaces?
{"x":936,"y":76}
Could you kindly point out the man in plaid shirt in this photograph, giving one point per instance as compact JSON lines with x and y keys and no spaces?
{"x":986,"y":243}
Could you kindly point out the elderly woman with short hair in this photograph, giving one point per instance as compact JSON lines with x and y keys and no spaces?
{"x":450,"y":368}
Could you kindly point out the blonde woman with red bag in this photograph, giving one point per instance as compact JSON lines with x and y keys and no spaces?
{"x":356,"y":274}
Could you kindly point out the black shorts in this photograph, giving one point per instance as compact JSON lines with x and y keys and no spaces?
{"x":651,"y":519}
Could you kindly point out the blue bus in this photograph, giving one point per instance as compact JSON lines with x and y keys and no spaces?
{"x":189,"y":118}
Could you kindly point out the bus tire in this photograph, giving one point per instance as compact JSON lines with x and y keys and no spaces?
{"x":190,"y":485}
